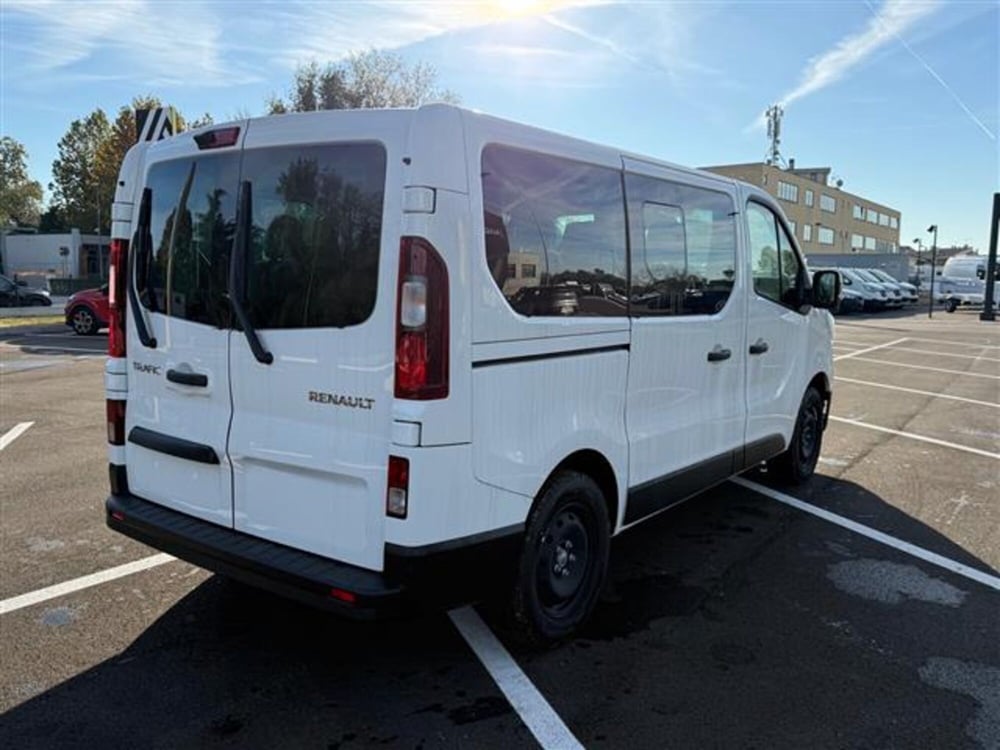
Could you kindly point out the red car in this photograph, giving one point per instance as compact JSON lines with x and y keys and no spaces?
{"x":87,"y":311}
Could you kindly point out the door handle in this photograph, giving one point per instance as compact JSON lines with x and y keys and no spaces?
{"x":758,"y":347}
{"x":718,"y":354}
{"x":197,"y":379}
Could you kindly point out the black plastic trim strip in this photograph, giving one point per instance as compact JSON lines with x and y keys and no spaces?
{"x":670,"y":489}
{"x":549,"y":355}
{"x":761,"y":450}
{"x":398,"y":550}
{"x":173,"y":446}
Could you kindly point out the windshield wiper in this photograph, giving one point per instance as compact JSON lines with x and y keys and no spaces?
{"x":140,"y":246}
{"x":237,"y":272}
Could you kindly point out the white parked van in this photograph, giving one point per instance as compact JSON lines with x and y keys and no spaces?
{"x":353,"y":351}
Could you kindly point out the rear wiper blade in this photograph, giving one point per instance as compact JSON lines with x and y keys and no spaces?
{"x":139,"y":245}
{"x":237,"y":272}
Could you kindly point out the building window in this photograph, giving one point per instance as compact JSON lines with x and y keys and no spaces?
{"x":859,"y":212}
{"x":807,"y":232}
{"x":511,"y":271}
{"x":872,"y":216}
{"x":809,"y":197}
{"x":893,"y":222}
{"x":857,"y":242}
{"x":869,"y":243}
{"x":883,"y":220}
{"x":528,"y":271}
{"x":788,"y":192}
{"x":827,"y":203}
{"x":825,"y":236}
{"x":792,"y":225}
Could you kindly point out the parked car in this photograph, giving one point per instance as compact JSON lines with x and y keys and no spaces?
{"x":87,"y":311}
{"x":850,"y":301}
{"x":874,"y":296}
{"x":894,"y":293}
{"x":908,"y":289}
{"x":18,"y":294}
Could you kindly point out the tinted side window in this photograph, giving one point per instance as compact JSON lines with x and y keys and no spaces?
{"x":192,"y":223}
{"x":777,"y":270}
{"x":555,"y":233}
{"x":317,"y":226}
{"x":683,"y":242}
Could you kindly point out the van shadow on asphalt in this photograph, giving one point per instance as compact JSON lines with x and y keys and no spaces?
{"x":231,"y":665}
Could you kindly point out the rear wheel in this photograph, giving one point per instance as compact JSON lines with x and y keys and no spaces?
{"x":36,"y":302}
{"x":84,"y":322}
{"x":951,"y":305}
{"x":564,"y":560}
{"x":798,"y":462}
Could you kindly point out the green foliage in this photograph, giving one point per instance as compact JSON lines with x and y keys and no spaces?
{"x":76,"y":187}
{"x":20,"y":196}
{"x":366,"y":80}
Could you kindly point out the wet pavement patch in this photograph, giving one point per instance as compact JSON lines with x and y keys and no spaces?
{"x":58,"y":616}
{"x":892,"y":583}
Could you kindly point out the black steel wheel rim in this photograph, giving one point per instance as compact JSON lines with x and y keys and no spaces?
{"x":809,"y":434}
{"x":565,"y":557}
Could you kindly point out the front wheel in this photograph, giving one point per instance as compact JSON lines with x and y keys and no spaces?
{"x":84,"y":322}
{"x":798,"y":462}
{"x":950,"y":306}
{"x":564,"y":560}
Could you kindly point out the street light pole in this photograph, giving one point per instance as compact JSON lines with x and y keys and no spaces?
{"x":917,"y":241}
{"x":930,"y":307}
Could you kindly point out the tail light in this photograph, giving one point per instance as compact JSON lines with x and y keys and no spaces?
{"x":398,"y":487}
{"x":422,"y":322}
{"x":117,"y":302}
{"x":116,"y":422}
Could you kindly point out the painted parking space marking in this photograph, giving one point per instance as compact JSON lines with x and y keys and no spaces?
{"x":924,"y":367}
{"x":941,"y":561}
{"x":869,"y":349}
{"x":46,"y":349}
{"x":536,"y":713}
{"x":954,"y":343}
{"x":14,"y":433}
{"x":978,"y":357}
{"x":914,"y":436}
{"x":918,"y":391}
{"x":15,"y":603}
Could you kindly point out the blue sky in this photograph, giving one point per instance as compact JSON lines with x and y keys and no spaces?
{"x":899,"y":97}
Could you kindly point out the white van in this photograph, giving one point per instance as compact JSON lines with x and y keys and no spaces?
{"x":962,"y":282}
{"x":355,"y":351}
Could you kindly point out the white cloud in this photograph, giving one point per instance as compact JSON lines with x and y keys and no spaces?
{"x":894,"y":18}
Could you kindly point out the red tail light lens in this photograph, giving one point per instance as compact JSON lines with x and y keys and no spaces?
{"x":117,"y":301}
{"x":116,"y":422}
{"x":421,"y":322}
{"x":397,"y":491}
{"x":217,"y":138}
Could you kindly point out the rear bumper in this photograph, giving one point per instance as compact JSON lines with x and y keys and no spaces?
{"x":437,"y":575}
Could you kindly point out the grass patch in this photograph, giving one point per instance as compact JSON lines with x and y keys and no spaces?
{"x":32,"y":320}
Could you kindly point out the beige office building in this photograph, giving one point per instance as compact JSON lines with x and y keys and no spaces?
{"x":825,"y":218}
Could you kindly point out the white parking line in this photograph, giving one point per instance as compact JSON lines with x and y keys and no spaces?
{"x":911,"y":549}
{"x":923,"y":367}
{"x":14,"y":433}
{"x":43,"y":349}
{"x":922,"y":393}
{"x":869,"y":349}
{"x":978,"y":357}
{"x":914,"y":436}
{"x":954,"y":343}
{"x":523,"y":696}
{"x":84,"y":582}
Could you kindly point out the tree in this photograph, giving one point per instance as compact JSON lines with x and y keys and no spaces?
{"x":365,"y":80}
{"x":76,"y":186}
{"x":20,"y":196}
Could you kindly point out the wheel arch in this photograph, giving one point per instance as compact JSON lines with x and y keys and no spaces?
{"x":821,"y":382}
{"x":595,"y":465}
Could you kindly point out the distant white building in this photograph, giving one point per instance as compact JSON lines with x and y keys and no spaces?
{"x":70,"y":256}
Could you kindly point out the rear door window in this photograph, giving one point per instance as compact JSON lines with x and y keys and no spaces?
{"x":185,"y":271}
{"x":317,"y":225}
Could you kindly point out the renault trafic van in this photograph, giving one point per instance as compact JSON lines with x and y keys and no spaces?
{"x":348,"y":348}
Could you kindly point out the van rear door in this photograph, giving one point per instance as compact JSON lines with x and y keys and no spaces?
{"x":309,"y":440}
{"x":178,"y":407}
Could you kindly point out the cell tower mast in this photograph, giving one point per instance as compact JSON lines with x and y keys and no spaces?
{"x":774,"y":114}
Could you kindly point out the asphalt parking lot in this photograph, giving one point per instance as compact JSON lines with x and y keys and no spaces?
{"x":861,"y":610}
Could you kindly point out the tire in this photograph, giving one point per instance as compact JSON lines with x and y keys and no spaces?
{"x":84,"y":321}
{"x":950,"y":306}
{"x":798,"y":462}
{"x":564,"y":560}
{"x":36,"y":302}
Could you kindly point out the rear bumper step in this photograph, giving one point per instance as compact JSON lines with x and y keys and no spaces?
{"x":441,"y":574}
{"x":283,"y":570}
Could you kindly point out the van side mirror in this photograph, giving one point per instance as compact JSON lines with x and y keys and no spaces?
{"x":825,"y":289}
